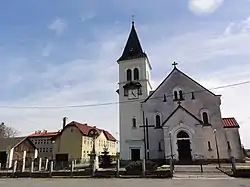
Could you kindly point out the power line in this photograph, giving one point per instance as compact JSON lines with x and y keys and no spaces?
{"x":117,"y":102}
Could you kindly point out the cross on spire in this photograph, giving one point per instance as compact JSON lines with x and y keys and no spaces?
{"x":175,"y":64}
{"x":133,"y":18}
{"x":179,"y":102}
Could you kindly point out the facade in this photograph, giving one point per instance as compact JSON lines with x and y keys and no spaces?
{"x":75,"y":143}
{"x":180,"y":119}
{"x":43,"y":143}
{"x":18,"y":148}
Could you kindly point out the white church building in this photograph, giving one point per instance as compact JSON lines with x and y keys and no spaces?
{"x":179,"y":119}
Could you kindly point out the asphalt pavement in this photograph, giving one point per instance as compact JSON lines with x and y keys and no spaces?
{"x":125,"y":182}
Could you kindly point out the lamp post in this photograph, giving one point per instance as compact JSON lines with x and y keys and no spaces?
{"x":217,"y":148}
{"x":171,"y":150}
{"x":170,"y":142}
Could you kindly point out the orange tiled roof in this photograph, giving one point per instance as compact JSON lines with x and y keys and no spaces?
{"x":43,"y":134}
{"x":230,"y":123}
{"x":84,"y":128}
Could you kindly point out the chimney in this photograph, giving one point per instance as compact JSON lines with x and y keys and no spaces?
{"x":64,"y":121}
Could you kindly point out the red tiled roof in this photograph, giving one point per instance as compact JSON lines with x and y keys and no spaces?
{"x":43,"y":134}
{"x":84,"y":128}
{"x":230,"y":123}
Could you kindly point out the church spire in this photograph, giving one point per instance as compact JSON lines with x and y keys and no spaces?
{"x":133,"y":47}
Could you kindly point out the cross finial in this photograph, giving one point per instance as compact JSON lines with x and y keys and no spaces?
{"x":133,"y":19}
{"x":179,"y":102}
{"x":175,"y":64}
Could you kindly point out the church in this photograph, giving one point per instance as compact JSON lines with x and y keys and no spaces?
{"x":180,"y":119}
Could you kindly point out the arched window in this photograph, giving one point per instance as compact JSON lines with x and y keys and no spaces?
{"x":175,"y":95}
{"x":136,"y":74}
{"x":205,"y":117}
{"x":129,"y":75}
{"x":181,"y":95}
{"x":182,"y":134}
{"x":157,"y":121}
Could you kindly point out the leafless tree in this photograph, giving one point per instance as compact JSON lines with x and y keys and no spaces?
{"x":7,"y":132}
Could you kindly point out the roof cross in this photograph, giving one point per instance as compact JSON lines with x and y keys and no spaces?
{"x":179,"y":102}
{"x":133,"y":19}
{"x":175,"y":64}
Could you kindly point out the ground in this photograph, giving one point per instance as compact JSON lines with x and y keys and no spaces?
{"x":125,"y":182}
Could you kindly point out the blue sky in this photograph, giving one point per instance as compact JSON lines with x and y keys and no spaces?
{"x":57,"y":53}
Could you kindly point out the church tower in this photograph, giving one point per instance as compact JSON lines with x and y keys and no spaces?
{"x":134,"y":87}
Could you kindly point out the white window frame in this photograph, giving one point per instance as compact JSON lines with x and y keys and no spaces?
{"x":208,"y":114}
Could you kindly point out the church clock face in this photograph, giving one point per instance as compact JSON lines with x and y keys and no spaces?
{"x":133,"y":94}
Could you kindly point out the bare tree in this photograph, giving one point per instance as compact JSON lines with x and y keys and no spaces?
{"x":7,"y":132}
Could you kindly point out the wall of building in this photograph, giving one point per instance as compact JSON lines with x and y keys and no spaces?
{"x":131,"y":137}
{"x":44,"y":146}
{"x":69,"y":142}
{"x":204,"y":100}
{"x":233,"y":138}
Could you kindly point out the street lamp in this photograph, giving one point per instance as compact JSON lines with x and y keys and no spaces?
{"x":217,"y":149}
{"x":171,"y":149}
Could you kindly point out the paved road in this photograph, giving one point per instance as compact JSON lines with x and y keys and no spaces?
{"x":124,"y":182}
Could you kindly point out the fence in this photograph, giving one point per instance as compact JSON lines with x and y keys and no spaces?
{"x":49,"y":168}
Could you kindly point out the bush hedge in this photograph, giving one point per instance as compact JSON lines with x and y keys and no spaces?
{"x":137,"y":166}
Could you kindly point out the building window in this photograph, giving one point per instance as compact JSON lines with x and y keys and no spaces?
{"x":159,"y":146}
{"x":228,"y":145}
{"x":157,"y":121}
{"x":181,"y":95}
{"x":192,"y":96}
{"x":205,"y":117}
{"x":136,"y":74}
{"x":178,"y":94}
{"x":175,"y":96}
{"x":134,"y":122}
{"x":209,"y":146}
{"x":129,"y":75}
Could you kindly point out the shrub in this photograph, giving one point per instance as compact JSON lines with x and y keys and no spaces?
{"x":137,"y":166}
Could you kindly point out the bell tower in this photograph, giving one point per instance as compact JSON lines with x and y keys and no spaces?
{"x":134,"y":87}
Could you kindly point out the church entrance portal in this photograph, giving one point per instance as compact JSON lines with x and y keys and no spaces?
{"x":184,"y":150}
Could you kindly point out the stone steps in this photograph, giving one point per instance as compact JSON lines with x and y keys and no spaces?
{"x":194,"y":171}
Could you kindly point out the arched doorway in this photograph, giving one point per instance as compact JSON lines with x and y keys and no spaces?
{"x":184,"y":150}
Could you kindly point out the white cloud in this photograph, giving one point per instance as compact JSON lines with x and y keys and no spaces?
{"x":228,"y":30}
{"x":58,"y":26}
{"x":204,"y":6}
{"x":242,"y":27}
